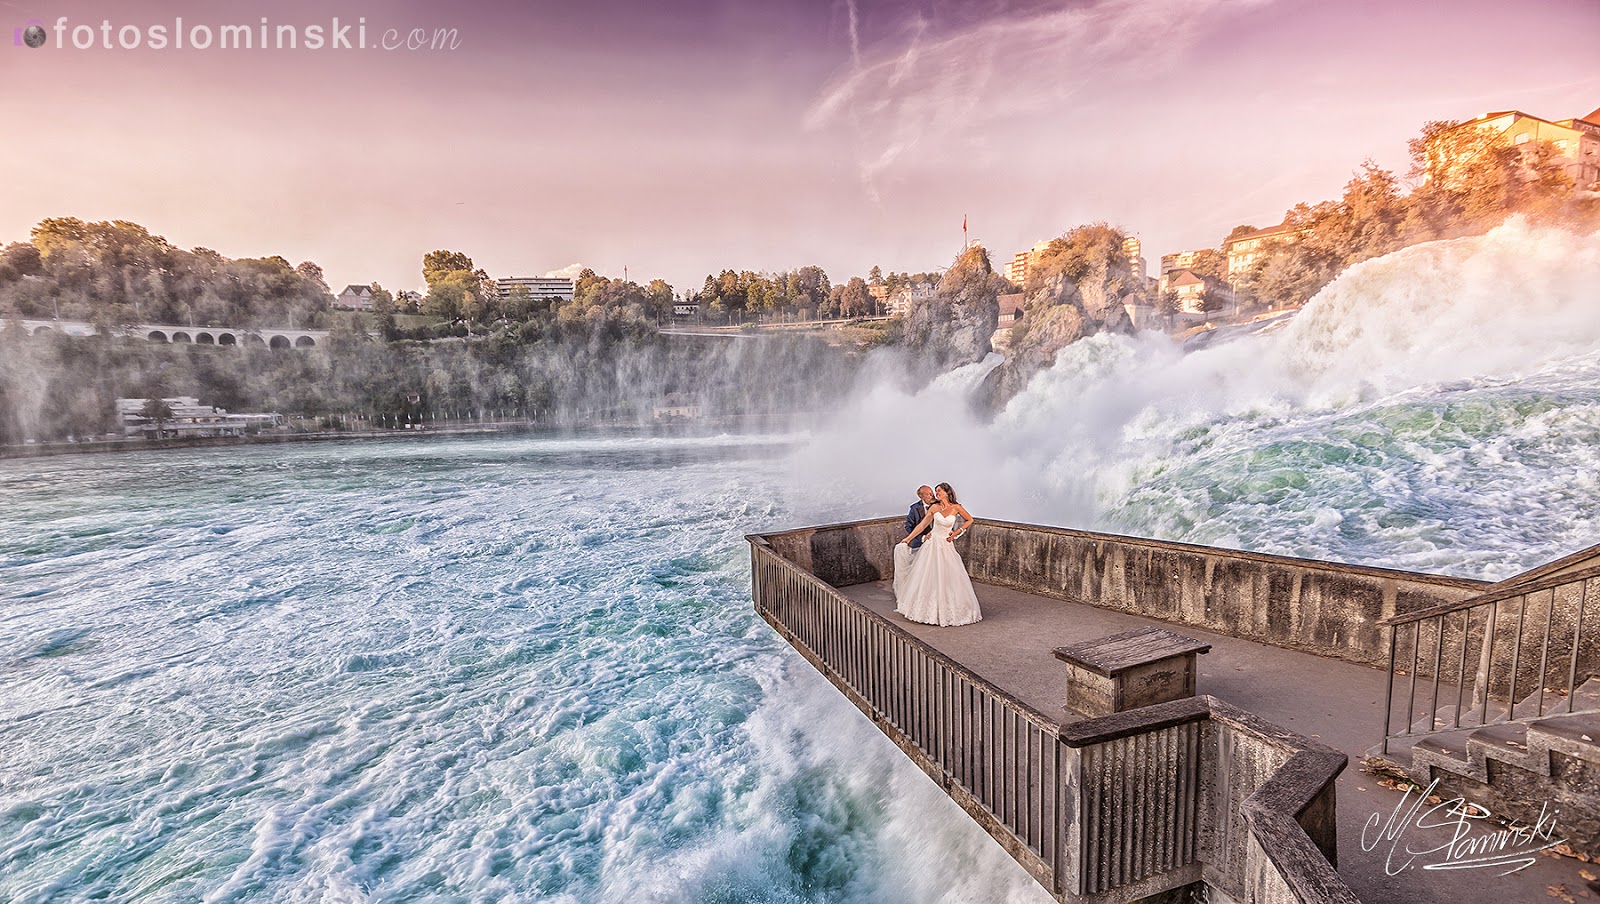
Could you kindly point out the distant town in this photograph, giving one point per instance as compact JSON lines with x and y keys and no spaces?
{"x":545,"y":349}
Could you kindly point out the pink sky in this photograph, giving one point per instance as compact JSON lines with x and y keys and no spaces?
{"x":681,"y":139}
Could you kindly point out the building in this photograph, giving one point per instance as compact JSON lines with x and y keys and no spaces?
{"x":1576,"y":141}
{"x":1017,"y":270}
{"x":677,"y":407}
{"x":901,"y":299}
{"x":1011,"y":313}
{"x":880,"y":295}
{"x":1245,"y":250}
{"x":1133,"y":251}
{"x":685,"y":308}
{"x":189,"y":419}
{"x":1194,"y":290}
{"x":546,"y":288}
{"x":1172,"y":263}
{"x":354,"y":298}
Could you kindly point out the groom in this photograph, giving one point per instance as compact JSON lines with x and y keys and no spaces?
{"x":904,"y":552}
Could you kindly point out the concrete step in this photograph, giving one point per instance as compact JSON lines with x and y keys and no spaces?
{"x":1445,"y":750}
{"x":1525,"y":745}
{"x":1585,"y":699}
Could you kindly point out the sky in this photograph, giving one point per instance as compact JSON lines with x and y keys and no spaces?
{"x":674,"y":140}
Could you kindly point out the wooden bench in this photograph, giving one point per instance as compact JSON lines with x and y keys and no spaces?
{"x":1129,"y":670}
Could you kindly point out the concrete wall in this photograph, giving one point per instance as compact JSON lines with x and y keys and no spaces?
{"x":1325,"y":608}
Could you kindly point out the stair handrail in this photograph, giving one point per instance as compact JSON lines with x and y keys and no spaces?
{"x":1492,"y":595}
{"x":1548,"y":577}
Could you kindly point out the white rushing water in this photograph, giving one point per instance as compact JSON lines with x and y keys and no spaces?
{"x":1435,"y":409}
{"x":526,"y":669}
{"x":508,"y":670}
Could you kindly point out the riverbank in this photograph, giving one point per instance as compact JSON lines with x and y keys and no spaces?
{"x":741,"y":424}
{"x":43,"y":450}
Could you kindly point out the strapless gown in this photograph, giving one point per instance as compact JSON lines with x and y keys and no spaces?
{"x":935,"y":590}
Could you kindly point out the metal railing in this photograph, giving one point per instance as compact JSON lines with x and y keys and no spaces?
{"x":1521,"y":651}
{"x":1000,"y":759}
{"x":1130,"y":804}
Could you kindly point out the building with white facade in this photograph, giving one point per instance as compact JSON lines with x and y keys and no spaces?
{"x":539,"y":288}
{"x":900,"y":300}
{"x":188,"y":418}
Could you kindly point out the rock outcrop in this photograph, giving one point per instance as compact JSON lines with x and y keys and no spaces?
{"x":1078,"y":292}
{"x":952,"y":328}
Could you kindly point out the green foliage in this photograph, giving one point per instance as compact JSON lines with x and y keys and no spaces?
{"x":117,"y":272}
{"x":1465,"y":180}
{"x":1084,"y":250}
{"x":741,"y":294}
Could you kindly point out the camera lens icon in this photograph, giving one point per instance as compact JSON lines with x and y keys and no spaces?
{"x":33,"y":36}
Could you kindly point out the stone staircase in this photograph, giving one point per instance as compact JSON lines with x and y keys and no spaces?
{"x":1524,"y":769}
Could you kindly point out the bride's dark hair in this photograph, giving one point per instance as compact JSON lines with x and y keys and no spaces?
{"x":948,"y":491}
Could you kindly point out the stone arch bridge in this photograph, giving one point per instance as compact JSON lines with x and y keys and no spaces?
{"x":198,"y":335}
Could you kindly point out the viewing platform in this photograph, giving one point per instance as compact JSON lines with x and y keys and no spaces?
{"x":1271,"y":676}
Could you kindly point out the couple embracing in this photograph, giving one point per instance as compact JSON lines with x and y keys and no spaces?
{"x":930,"y":580}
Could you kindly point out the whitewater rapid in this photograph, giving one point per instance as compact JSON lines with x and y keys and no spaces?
{"x":526,"y":669}
{"x":1435,"y":409}
{"x":519,"y":669}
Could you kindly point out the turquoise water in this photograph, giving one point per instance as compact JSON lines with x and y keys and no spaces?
{"x":498,"y":670}
{"x":526,"y":669}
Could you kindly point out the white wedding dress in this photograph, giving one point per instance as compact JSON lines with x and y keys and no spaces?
{"x":935,"y":588}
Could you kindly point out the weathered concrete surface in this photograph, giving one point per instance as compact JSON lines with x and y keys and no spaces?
{"x":1130,"y":670}
{"x":1542,"y":772}
{"x":1337,"y":703}
{"x":1324,"y":608}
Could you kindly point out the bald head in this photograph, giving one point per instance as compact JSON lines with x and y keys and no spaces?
{"x":925,"y":494}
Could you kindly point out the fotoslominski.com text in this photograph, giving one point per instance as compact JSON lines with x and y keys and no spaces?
{"x":337,"y":35}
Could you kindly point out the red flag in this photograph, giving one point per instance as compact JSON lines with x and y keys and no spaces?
{"x":963,"y":222}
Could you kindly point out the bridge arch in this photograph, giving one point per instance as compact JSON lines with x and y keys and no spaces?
{"x":205,"y":339}
{"x":227,"y":339}
{"x":305,"y":342}
{"x":280,"y":342}
{"x":41,"y":329}
{"x":157,"y":336}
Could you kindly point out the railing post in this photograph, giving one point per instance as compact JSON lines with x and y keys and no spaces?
{"x":1388,"y":694}
{"x":1486,"y":664}
{"x":1577,"y":642}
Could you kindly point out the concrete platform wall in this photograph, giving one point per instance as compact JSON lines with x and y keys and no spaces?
{"x":1325,"y":608}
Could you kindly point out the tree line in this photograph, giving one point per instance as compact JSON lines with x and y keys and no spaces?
{"x":1461,"y":181}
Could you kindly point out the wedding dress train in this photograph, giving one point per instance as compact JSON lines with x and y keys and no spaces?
{"x":935,"y":588}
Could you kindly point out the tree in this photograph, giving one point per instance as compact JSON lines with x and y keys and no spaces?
{"x":156,"y":409}
{"x":1237,"y":232}
{"x":660,"y":298}
{"x":1210,"y":262}
{"x":855,"y":301}
{"x":456,"y":289}
{"x":382,"y":300}
{"x":18,"y":260}
{"x":313,"y":274}
{"x":436,"y":265}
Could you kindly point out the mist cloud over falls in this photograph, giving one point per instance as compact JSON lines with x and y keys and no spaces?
{"x":1436,"y":408}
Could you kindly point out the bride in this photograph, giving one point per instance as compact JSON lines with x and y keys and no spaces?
{"x":935,"y":590}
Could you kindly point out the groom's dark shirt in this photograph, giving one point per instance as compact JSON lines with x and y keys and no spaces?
{"x":918,"y":511}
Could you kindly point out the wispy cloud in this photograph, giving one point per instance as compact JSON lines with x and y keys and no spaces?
{"x":936,"y":87}
{"x":570,"y":271}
